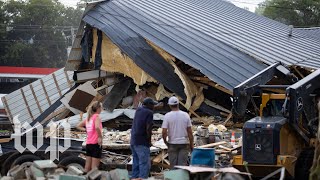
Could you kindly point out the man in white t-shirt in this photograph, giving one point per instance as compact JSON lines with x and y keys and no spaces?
{"x":177,"y":127}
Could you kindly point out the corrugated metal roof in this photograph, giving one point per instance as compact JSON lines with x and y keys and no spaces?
{"x":313,"y":32}
{"x":142,"y":54}
{"x":263,"y":38}
{"x":182,"y":28}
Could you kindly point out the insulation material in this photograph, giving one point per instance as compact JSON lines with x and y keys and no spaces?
{"x":162,"y":93}
{"x":190,"y":89}
{"x":198,"y":100}
{"x":113,"y":60}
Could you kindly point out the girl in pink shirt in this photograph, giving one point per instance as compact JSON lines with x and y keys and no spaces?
{"x":93,"y":126}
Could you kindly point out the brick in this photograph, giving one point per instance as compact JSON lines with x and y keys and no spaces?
{"x":105,"y":175}
{"x":17,"y":172}
{"x":176,"y":174}
{"x":36,"y":172}
{"x":71,"y":177}
{"x":72,"y":170}
{"x":59,"y":171}
{"x":45,"y":164}
{"x":7,"y":178}
{"x":94,"y":174}
{"x":40,"y":178}
{"x":121,"y":174}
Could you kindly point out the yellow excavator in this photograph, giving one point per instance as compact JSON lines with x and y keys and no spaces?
{"x":283,"y":130}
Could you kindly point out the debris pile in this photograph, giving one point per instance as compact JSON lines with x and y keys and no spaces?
{"x":47,"y":169}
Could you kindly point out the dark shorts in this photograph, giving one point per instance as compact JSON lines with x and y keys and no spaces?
{"x":93,"y":150}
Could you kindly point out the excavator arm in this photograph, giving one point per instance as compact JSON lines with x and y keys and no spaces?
{"x":301,"y":105}
{"x":300,"y":102}
{"x":244,"y":91}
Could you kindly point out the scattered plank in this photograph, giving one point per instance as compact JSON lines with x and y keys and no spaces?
{"x":228,"y":118}
{"x":4,"y":140}
{"x":297,"y":70}
{"x":209,"y":82}
{"x":238,"y":147}
{"x":216,"y":106}
{"x":212,"y":145}
{"x":225,"y":148}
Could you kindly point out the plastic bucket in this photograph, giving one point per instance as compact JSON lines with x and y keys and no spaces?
{"x":203,"y":157}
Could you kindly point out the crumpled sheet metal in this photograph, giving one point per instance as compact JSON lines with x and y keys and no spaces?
{"x":113,"y":60}
{"x":136,"y":47}
{"x":190,"y":89}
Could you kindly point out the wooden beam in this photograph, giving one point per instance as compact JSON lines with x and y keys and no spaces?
{"x":228,"y":118}
{"x":212,"y":145}
{"x":297,"y":70}
{"x":207,"y":81}
{"x":217,"y":86}
{"x":57,"y":85}
{"x":190,"y":70}
{"x":191,"y":111}
{"x":45,"y":92}
{"x":225,"y":148}
{"x":4,"y":100}
{"x":68,"y":80}
{"x":4,"y":140}
{"x":35,"y":98}
{"x":216,"y":106}
{"x":27,"y":105}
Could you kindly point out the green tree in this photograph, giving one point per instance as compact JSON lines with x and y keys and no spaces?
{"x":302,"y":13}
{"x":33,"y":32}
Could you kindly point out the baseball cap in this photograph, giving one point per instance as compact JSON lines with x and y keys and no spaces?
{"x":149,"y":100}
{"x":173,"y":101}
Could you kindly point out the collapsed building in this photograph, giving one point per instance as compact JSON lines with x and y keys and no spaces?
{"x":196,"y":50}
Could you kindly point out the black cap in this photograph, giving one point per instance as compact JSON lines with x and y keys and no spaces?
{"x":149,"y":101}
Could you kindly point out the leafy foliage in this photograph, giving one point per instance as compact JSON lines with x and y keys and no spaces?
{"x":302,"y":13}
{"x":33,"y":32}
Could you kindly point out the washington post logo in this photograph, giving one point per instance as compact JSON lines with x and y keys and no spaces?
{"x":25,"y":129}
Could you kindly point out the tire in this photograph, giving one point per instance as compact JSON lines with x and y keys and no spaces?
{"x":25,"y":158}
{"x":73,"y":160}
{"x":303,"y":164}
{"x":8,"y":162}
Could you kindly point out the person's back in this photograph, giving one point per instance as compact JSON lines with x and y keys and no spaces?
{"x":141,"y":139}
{"x":177,"y":123}
{"x":139,"y":126}
{"x":177,"y":127}
{"x":93,"y":126}
{"x":92,"y":135}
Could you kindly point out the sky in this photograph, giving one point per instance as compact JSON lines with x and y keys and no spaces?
{"x":250,"y":4}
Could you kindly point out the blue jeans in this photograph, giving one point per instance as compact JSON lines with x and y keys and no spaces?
{"x":141,"y":161}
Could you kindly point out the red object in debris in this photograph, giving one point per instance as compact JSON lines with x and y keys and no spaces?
{"x":233,"y":139}
{"x":26,"y":70}
{"x":2,"y":111}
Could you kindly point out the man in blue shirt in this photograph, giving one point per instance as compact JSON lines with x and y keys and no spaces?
{"x":140,"y":143}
